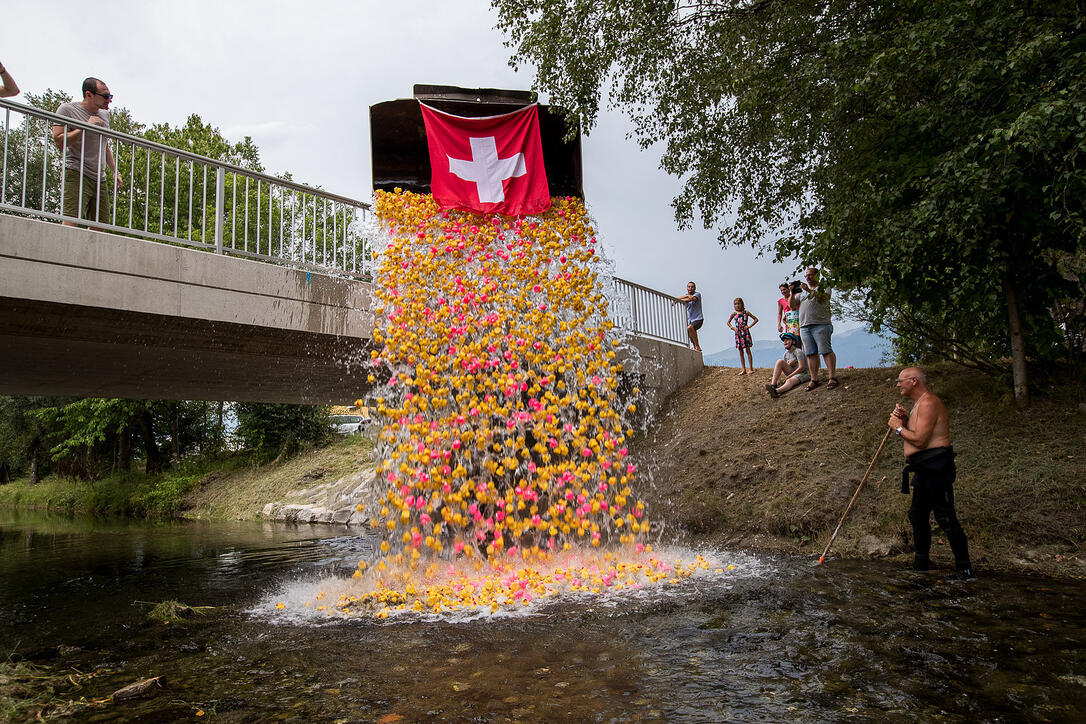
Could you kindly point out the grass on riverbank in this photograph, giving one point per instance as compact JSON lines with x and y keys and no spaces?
{"x":241,"y":493}
{"x":733,"y":467}
{"x":130,"y":493}
{"x":33,"y":693}
{"x":228,"y":488}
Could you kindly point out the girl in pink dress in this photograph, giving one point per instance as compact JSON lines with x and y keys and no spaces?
{"x":744,"y":320}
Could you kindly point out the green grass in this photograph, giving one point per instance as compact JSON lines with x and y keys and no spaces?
{"x":241,"y":493}
{"x":127,"y":493}
{"x":33,"y":693}
{"x":174,"y":612}
{"x":170,"y":493}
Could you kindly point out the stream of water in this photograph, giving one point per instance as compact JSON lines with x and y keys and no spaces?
{"x":772,"y":639}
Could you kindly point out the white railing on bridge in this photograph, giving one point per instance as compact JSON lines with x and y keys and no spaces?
{"x":649,"y":313}
{"x":174,"y":196}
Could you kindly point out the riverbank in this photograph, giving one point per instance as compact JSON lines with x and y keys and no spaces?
{"x":236,"y":487}
{"x":728,"y":466}
{"x":733,"y":467}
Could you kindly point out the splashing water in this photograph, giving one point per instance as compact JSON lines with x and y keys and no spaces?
{"x":503,"y":447}
{"x":456,"y":592}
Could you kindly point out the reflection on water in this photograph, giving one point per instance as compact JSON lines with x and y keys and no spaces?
{"x":776,"y":639}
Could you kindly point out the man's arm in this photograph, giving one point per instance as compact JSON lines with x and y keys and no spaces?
{"x":118,"y":181}
{"x":917,"y":429}
{"x":74,"y":135}
{"x":8,"y":87}
{"x":793,"y":299}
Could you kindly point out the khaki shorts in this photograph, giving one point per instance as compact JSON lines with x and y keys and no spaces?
{"x":94,"y":197}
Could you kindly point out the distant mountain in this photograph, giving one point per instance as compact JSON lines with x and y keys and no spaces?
{"x":855,"y":348}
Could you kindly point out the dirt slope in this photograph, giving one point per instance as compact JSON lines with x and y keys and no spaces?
{"x":733,"y":466}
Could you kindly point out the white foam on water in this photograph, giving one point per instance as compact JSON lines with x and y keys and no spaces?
{"x":311,"y":601}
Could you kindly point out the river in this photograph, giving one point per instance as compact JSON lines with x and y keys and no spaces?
{"x":775,"y":639}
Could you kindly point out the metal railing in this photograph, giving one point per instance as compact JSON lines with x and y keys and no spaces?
{"x":170,"y":195}
{"x":649,"y":313}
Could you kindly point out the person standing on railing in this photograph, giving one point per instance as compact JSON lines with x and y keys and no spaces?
{"x":8,"y":86}
{"x":694,"y":317}
{"x":86,"y":193}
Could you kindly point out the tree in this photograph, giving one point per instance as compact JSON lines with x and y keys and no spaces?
{"x":281,"y":429}
{"x":23,"y":435}
{"x":927,"y":153}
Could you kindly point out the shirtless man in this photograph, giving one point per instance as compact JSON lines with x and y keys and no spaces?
{"x":929,"y":456}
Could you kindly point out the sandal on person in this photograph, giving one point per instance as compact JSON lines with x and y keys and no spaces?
{"x":772,"y":390}
{"x":832,"y":383}
{"x":812,"y":384}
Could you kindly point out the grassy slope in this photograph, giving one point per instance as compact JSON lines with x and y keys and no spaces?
{"x":227,"y":489}
{"x":131,"y":493}
{"x":733,"y":466}
{"x":241,"y":494}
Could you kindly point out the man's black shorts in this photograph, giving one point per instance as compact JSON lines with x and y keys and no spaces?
{"x":697,"y":325}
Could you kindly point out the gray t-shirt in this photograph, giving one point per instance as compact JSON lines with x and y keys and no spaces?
{"x":92,"y":145}
{"x":812,"y":311}
{"x":693,"y":308}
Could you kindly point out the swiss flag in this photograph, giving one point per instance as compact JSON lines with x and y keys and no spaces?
{"x":492,"y":164}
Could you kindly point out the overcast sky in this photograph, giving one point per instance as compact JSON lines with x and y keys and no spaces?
{"x":299,"y":78}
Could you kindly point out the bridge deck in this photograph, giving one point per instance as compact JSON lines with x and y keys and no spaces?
{"x":89,"y":313}
{"x":94,"y":314}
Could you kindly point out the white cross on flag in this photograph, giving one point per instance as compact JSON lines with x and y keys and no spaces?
{"x":492,"y":164}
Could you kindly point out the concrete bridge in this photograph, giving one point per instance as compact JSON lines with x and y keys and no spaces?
{"x":94,"y":314}
{"x":115,"y":312}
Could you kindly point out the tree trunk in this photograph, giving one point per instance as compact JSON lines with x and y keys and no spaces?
{"x":175,"y":432}
{"x":155,"y":463}
{"x":220,"y":434}
{"x":32,"y":455}
{"x":1018,"y":344}
{"x":124,"y":450}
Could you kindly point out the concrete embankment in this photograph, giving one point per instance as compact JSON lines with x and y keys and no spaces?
{"x":336,"y":501}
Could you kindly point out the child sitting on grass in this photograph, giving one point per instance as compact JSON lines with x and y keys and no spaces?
{"x":792,"y":367}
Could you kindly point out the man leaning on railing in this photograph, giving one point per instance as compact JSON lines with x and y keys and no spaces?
{"x":86,"y":194}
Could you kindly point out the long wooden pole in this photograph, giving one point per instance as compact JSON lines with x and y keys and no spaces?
{"x":878,"y":452}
